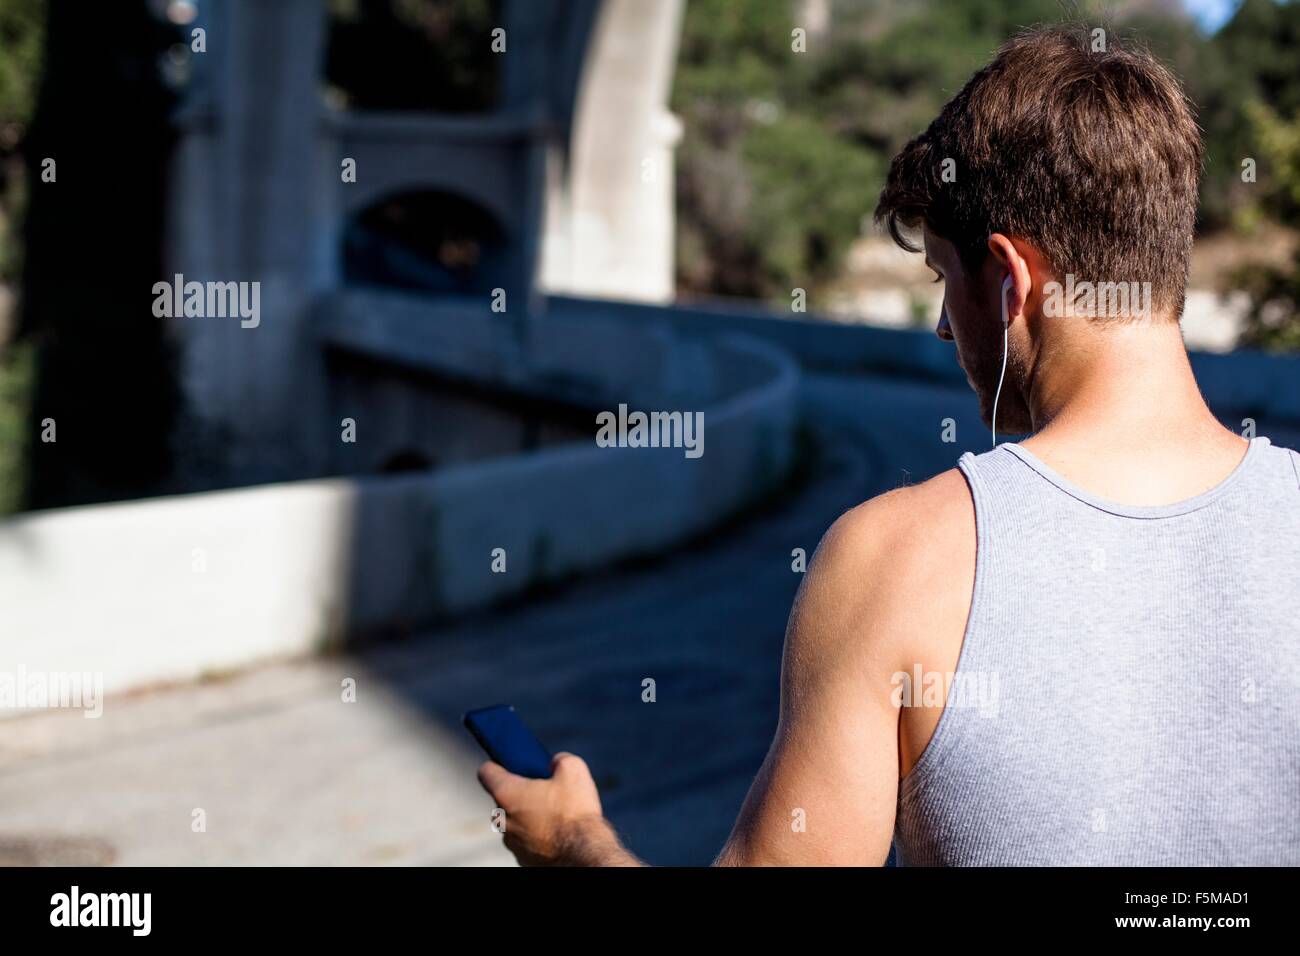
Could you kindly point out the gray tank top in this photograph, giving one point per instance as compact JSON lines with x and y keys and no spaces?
{"x":1128,"y":687}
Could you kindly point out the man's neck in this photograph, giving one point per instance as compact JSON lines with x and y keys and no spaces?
{"x":1123,"y":378}
{"x":1118,"y":410}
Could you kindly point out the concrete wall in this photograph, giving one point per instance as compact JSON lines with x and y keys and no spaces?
{"x":173,"y":588}
{"x":402,"y":417}
{"x":1245,"y":381}
{"x":589,"y":357}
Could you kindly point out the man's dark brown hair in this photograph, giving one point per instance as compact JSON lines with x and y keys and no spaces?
{"x":1093,"y":157}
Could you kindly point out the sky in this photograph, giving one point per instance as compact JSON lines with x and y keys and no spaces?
{"x":1211,"y":14}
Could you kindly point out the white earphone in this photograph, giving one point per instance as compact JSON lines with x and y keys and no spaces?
{"x":1006,"y":326}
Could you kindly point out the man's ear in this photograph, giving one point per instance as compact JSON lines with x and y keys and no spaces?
{"x":1017,"y":260}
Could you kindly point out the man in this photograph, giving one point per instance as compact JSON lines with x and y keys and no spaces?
{"x":1116,"y":595}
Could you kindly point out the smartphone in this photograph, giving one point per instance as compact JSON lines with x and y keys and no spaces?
{"x":508,"y":741}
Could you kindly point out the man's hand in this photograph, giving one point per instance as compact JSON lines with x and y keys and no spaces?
{"x":554,"y":822}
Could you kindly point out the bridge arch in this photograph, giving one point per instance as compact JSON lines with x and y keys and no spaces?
{"x":428,"y":239}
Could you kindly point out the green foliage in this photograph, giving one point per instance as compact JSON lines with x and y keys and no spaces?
{"x":1261,"y":100}
{"x":1279,"y":145}
{"x":889,"y":68}
{"x":21,"y":37}
{"x":770,"y":192}
{"x":1252,"y":60}
{"x":809,"y":187}
{"x":1274,"y":318}
{"x":16,"y":380}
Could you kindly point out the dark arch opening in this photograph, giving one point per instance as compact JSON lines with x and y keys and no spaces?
{"x":429,"y":240}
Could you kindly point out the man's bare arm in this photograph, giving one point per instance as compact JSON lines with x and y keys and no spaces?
{"x":827,"y":791}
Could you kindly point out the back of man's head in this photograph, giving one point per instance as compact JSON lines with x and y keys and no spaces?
{"x":1079,"y":145}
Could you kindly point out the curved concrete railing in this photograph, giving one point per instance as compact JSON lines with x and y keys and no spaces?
{"x":1266,"y":385}
{"x":172,"y":588}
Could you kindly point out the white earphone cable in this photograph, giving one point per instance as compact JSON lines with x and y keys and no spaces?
{"x":1006,"y":325}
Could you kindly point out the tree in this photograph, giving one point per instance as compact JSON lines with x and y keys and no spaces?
{"x":1273,"y":321}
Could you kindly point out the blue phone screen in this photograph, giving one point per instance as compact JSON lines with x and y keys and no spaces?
{"x":507,"y":741}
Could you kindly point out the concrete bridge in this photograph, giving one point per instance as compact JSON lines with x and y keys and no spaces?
{"x":253,"y":597}
{"x":564,"y":184}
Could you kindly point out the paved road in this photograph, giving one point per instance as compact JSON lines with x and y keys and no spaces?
{"x":285,"y":772}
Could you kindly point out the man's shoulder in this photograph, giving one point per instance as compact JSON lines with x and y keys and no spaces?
{"x":891,"y":575}
{"x":913,"y":523}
